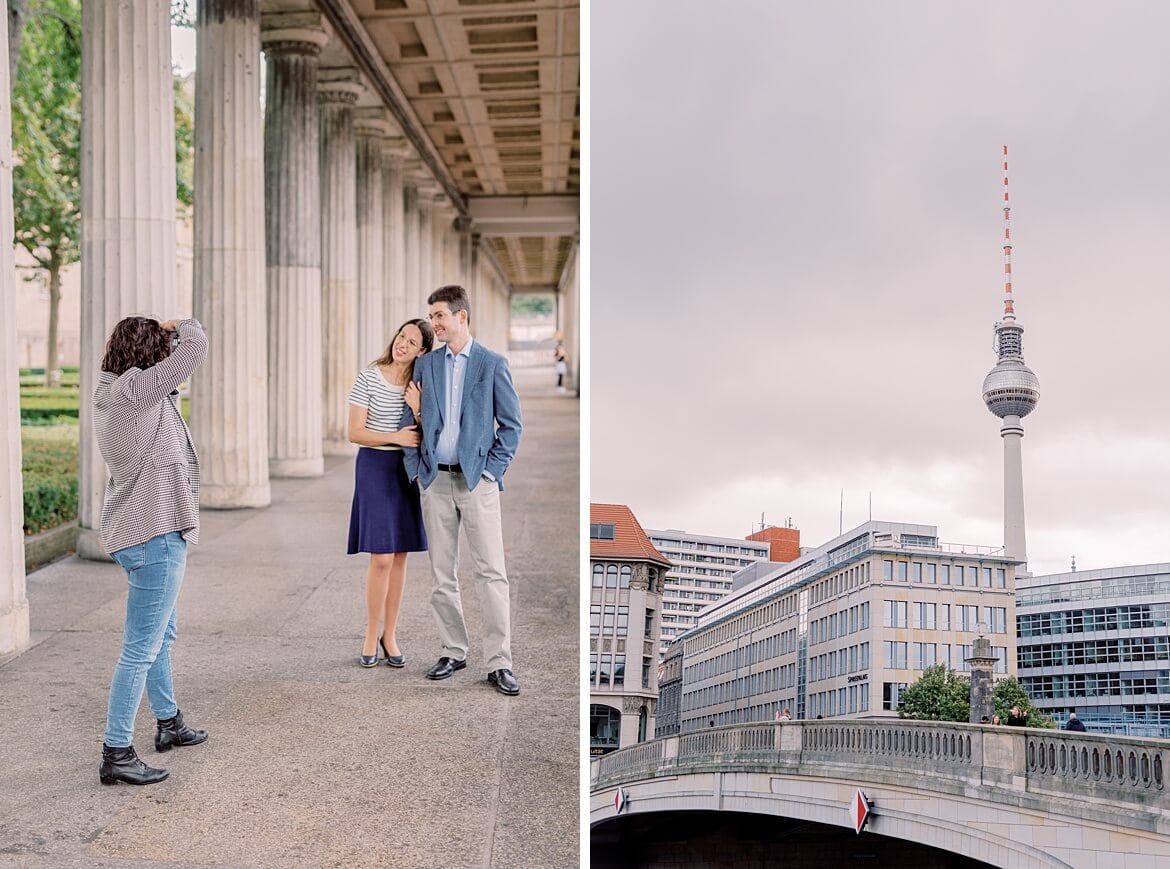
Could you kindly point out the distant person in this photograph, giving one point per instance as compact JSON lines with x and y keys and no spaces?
{"x":1074,"y":723}
{"x":1017,"y":718}
{"x":984,"y":720}
{"x":711,"y":723}
{"x":562,"y":366}
{"x":469,"y":421}
{"x":996,"y":720}
{"x":385,"y":519}
{"x":150,"y":515}
{"x":784,"y":716}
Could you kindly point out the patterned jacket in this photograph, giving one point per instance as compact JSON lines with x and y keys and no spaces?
{"x":154,"y":471}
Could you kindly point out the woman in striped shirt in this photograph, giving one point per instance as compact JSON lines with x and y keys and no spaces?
{"x":386,"y":518}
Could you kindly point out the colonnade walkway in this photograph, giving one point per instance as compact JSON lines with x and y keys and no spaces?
{"x":312,"y":760}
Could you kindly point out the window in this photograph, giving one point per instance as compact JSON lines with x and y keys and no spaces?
{"x":888,"y":569}
{"x":892,"y":695}
{"x":605,"y":726}
{"x":945,"y":569}
{"x":924,"y":616}
{"x":1000,"y":578}
{"x":997,"y":619}
{"x":619,"y":670}
{"x":903,"y":567}
{"x":603,"y":674}
{"x":595,"y":620}
{"x":959,"y":578}
{"x":924,"y":655}
{"x":593,"y":669}
{"x":895,"y":655}
{"x":625,"y":583}
{"x":944,"y":616}
{"x":600,"y":531}
{"x":895,"y":614}
{"x":968,"y":617}
{"x":649,"y":635}
{"x":932,"y":573}
{"x":611,"y":573}
{"x":918,"y":571}
{"x":598,"y":575}
{"x":987,"y":577}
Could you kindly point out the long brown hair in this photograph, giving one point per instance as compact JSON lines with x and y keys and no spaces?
{"x":428,"y":341}
{"x":136,"y":342}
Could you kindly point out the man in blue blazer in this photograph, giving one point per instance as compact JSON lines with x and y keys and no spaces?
{"x":469,"y":423}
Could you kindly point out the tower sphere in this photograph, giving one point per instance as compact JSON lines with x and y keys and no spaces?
{"x":1011,"y":389}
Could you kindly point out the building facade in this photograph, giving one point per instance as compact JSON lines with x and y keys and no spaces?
{"x":625,"y":611}
{"x":845,"y":629}
{"x":701,"y":570}
{"x":1097,"y":642}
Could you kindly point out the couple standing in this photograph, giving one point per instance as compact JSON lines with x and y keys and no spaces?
{"x":446,"y":422}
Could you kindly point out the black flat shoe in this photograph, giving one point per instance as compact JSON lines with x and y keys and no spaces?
{"x":391,"y":660}
{"x":122,"y":764}
{"x":174,"y":731}
{"x":505,"y":682}
{"x":444,"y":668}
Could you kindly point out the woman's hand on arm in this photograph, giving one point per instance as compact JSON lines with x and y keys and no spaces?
{"x":408,"y":437}
{"x":413,"y":397}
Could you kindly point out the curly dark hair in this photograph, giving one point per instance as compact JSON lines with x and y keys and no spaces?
{"x":136,"y":342}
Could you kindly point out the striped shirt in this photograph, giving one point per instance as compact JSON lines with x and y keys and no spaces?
{"x":154,"y":471}
{"x":382,"y":400}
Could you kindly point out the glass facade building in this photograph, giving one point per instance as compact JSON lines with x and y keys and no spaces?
{"x":1097,"y":642}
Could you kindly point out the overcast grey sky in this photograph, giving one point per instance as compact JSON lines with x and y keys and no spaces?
{"x":796,"y":266}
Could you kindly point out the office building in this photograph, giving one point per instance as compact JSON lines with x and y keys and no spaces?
{"x":701,"y":570}
{"x":840,"y":632}
{"x":1097,"y":642}
{"x":626,"y":575}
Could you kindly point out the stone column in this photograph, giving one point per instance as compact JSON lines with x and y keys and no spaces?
{"x":394,"y":234}
{"x":14,"y":635}
{"x":568,"y":307}
{"x":426,"y":247}
{"x":127,"y":202}
{"x":466,"y":243}
{"x":982,"y":663}
{"x":338,"y":91}
{"x":371,"y":126}
{"x":292,"y":193}
{"x":412,"y":278}
{"x":229,"y":393}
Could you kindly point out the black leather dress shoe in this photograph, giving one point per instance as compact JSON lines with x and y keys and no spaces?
{"x":444,"y":668}
{"x":174,"y":731}
{"x":122,"y":764}
{"x":505,"y":682}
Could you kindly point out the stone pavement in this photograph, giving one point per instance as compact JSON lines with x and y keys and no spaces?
{"x":312,"y":760}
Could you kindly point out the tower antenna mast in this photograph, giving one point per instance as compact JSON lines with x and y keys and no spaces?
{"x":1009,"y":311}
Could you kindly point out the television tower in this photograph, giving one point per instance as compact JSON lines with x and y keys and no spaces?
{"x":1011,"y":391}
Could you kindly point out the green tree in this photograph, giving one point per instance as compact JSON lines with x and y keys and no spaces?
{"x":185,"y":140}
{"x":940,"y":694}
{"x":532,"y":304}
{"x":46,"y":138}
{"x":1008,"y":693}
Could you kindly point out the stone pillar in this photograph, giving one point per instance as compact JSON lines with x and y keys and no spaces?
{"x":339,"y":90}
{"x":412,"y":277}
{"x":229,"y":393}
{"x":466,"y":256}
{"x":982,"y":663}
{"x":568,"y":307}
{"x":14,"y":635}
{"x":426,"y":247}
{"x":292,"y":193}
{"x":370,"y":127}
{"x":127,"y":202}
{"x":394,"y":233}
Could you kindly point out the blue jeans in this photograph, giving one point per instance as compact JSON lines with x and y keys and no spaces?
{"x":155,"y":570}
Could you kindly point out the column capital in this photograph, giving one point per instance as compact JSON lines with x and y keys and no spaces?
{"x":463,"y":223}
{"x":396,"y":150}
{"x":339,"y":84}
{"x":295,"y":32}
{"x":374,"y":121}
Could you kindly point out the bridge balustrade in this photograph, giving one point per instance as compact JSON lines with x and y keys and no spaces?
{"x":1121,"y":772}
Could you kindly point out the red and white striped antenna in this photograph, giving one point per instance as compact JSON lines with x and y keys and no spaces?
{"x":1009,"y":312}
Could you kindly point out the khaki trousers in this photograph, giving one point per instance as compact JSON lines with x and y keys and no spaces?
{"x":447,"y":505}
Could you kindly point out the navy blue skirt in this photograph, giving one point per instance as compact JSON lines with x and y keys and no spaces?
{"x":386,"y":514}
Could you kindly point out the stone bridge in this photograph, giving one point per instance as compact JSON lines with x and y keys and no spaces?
{"x":1013,"y":797}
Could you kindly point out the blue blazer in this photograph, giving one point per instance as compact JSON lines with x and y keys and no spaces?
{"x":489,"y":416}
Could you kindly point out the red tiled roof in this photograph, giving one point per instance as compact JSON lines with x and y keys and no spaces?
{"x":630,"y":541}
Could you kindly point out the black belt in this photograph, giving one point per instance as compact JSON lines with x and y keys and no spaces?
{"x":453,"y":469}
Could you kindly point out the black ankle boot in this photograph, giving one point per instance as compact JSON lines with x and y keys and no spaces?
{"x":174,"y":731}
{"x":122,"y":764}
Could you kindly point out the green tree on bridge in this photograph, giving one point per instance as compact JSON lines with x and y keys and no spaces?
{"x":941,"y":694}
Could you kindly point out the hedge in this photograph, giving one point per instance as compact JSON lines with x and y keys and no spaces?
{"x":50,"y":474}
{"x":44,"y":405}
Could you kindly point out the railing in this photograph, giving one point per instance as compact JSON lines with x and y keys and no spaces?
{"x":1126,"y":773}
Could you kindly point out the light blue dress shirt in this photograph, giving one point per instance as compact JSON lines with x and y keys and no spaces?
{"x":446,"y":450}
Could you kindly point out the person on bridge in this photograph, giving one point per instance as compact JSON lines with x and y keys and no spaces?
{"x":385,"y":519}
{"x":1017,"y":717}
{"x":1074,"y":723}
{"x":150,"y":515}
{"x":469,"y":414}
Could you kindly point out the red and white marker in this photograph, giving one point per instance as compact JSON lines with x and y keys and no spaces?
{"x":619,"y":800}
{"x":860,"y":810}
